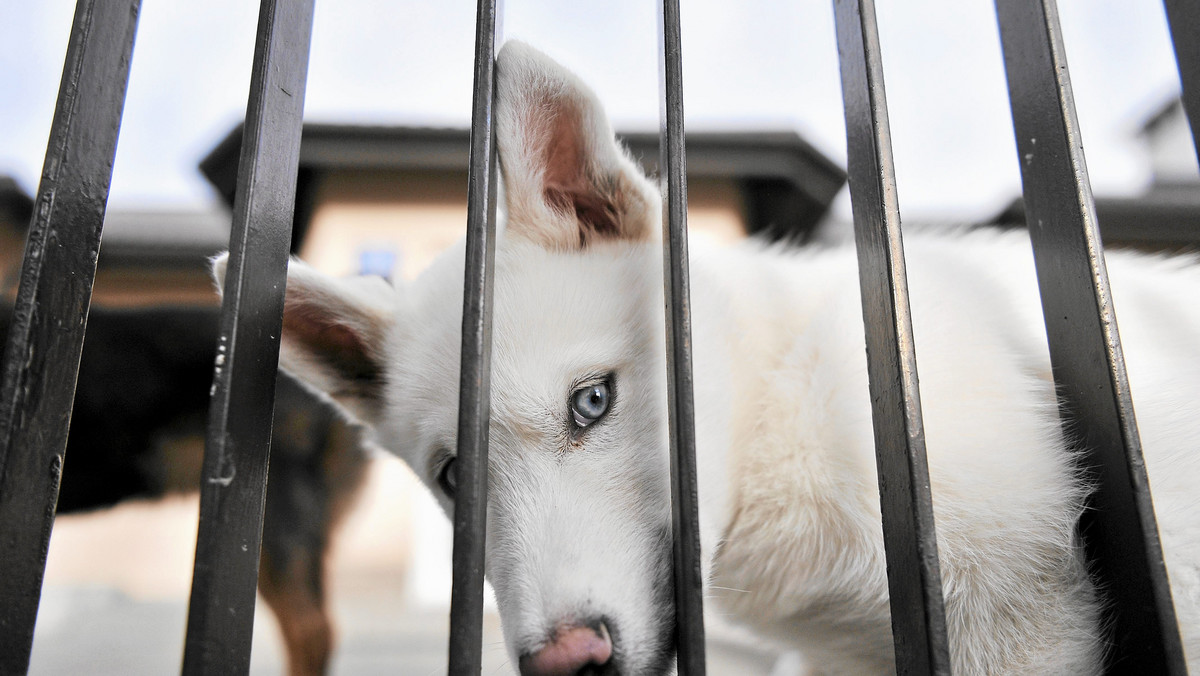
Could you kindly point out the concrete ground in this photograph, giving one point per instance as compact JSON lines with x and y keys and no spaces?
{"x":115,"y":595}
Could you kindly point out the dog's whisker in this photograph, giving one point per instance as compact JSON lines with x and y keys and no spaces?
{"x":741,"y":591}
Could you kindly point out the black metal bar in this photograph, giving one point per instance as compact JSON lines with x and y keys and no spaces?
{"x":41,"y":358}
{"x":1184,"y":17}
{"x":474,"y":394}
{"x":685,"y":528}
{"x":1120,"y":532}
{"x":914,"y":578}
{"x":234,"y":477}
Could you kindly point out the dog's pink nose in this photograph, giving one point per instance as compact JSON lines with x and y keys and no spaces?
{"x":573,"y":651}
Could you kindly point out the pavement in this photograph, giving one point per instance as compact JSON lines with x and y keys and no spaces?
{"x":114,"y":601}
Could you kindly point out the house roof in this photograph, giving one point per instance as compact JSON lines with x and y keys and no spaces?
{"x":1162,"y":219}
{"x":164,"y":238}
{"x":785,"y":179}
{"x":160,"y":238}
{"x":1163,"y":114}
{"x":1166,"y":217}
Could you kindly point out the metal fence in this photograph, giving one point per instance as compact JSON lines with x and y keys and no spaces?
{"x":42,"y":354}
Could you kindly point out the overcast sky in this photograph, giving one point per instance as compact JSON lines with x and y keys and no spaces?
{"x":760,"y":64}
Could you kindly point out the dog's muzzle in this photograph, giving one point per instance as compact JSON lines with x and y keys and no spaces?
{"x":575,"y":650}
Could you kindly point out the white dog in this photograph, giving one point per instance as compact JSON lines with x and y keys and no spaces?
{"x":578,"y":542}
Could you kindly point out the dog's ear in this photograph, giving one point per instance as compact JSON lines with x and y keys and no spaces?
{"x":567,"y":182}
{"x":334,"y":335}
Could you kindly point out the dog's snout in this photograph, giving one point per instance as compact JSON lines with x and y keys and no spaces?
{"x":575,"y":650}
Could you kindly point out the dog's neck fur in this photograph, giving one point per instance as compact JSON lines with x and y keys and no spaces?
{"x":825,"y":583}
{"x":800,"y":552}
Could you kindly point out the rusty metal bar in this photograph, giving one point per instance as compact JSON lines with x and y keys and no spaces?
{"x":234,"y":477}
{"x":914,"y":579}
{"x":41,"y":358}
{"x":685,"y":528}
{"x":474,"y":395}
{"x":1119,"y":529}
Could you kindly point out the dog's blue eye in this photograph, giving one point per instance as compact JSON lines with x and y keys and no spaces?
{"x":589,"y":404}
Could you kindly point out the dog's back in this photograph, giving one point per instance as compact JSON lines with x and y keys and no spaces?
{"x":1007,"y":495}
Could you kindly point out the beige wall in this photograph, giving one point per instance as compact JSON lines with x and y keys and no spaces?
{"x":414,"y":214}
{"x":145,"y":287}
{"x":131,"y":287}
{"x":119,"y":287}
{"x":417,"y":215}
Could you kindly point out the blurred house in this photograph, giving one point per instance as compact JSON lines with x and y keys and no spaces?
{"x":147,"y":258}
{"x":1166,"y":217}
{"x":159,"y":257}
{"x":1168,"y":138}
{"x":386,"y":200}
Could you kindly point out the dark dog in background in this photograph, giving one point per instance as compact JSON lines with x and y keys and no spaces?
{"x":137,"y":430}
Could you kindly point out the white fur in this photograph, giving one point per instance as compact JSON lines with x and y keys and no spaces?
{"x":578,"y":522}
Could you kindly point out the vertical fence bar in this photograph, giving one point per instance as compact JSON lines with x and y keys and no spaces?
{"x":1184,"y":17}
{"x":914,"y":579}
{"x":41,"y":358}
{"x":689,"y":601}
{"x":1120,"y":532}
{"x":234,"y":476}
{"x":474,"y":393}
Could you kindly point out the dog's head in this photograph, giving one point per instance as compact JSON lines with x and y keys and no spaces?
{"x":578,"y":542}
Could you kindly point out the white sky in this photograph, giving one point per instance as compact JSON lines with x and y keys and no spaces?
{"x":748,"y":64}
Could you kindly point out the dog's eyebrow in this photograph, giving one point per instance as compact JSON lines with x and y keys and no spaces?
{"x":522,"y":428}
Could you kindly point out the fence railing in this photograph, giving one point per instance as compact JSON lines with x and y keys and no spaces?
{"x":910,"y":541}
{"x":42,"y":354}
{"x":45,"y":341}
{"x":1120,"y":533}
{"x":474,"y":394}
{"x":233,"y":479}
